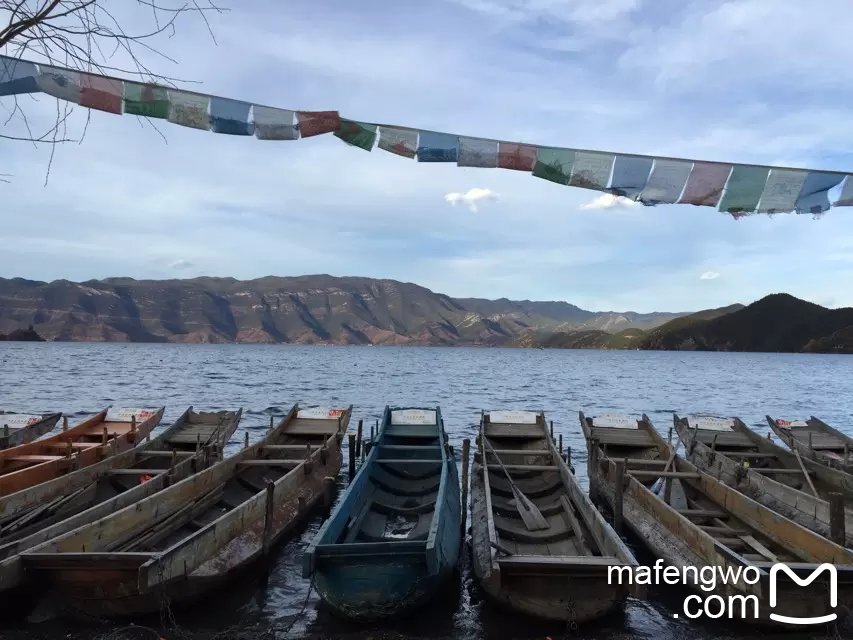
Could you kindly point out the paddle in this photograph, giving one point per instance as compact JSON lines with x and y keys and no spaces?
{"x":529,"y":512}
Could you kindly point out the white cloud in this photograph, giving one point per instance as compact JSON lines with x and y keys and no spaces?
{"x":709,"y":275}
{"x":609,"y":201}
{"x":181,"y":264}
{"x":471,"y":198}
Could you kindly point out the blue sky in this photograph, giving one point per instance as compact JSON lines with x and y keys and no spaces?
{"x":748,"y":81}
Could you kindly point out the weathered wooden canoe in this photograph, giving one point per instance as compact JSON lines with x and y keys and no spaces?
{"x":733,"y":453}
{"x":18,"y":428}
{"x":178,"y":544}
{"x":558,"y":573}
{"x":816,"y":440}
{"x":395,"y":535}
{"x":694,"y":520}
{"x":109,"y":432}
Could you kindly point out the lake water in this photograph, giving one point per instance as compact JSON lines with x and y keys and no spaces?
{"x":80,"y":379}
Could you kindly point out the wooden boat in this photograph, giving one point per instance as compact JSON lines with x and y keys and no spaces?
{"x":109,"y":432}
{"x":395,"y":535}
{"x":816,"y":440}
{"x":193,"y":536}
{"x":18,"y":428}
{"x":694,"y":520}
{"x":733,"y":453}
{"x":557,"y":573}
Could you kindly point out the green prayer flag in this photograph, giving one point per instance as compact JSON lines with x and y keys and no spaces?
{"x":146,"y":100}
{"x":744,"y":189}
{"x":554,"y":164}
{"x":357,"y":134}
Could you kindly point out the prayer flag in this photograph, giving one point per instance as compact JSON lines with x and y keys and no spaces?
{"x":519,"y":157}
{"x":630,"y":175}
{"x":230,"y":117}
{"x":358,"y":134}
{"x":146,"y":100}
{"x":705,"y":184}
{"x":103,"y":94}
{"x":666,"y":182}
{"x":781,"y":191}
{"x":437,"y":147}
{"x":554,"y":164}
{"x":314,"y":123}
{"x":744,"y":189}
{"x":476,"y":152}
{"x":17,"y":76}
{"x":813,"y":197}
{"x":60,"y":83}
{"x":274,"y":124}
{"x":403,"y":142}
{"x":189,"y":109}
{"x":591,"y":170}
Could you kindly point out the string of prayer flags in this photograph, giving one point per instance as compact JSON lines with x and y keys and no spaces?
{"x":476,"y":152}
{"x":705,"y":184}
{"x":357,"y":134}
{"x":744,"y":189}
{"x":103,"y":94}
{"x":17,"y":76}
{"x":666,"y":182}
{"x":781,"y":191}
{"x":515,"y":156}
{"x":274,"y":124}
{"x":189,"y":109}
{"x":554,"y":164}
{"x":437,"y":147}
{"x":230,"y":117}
{"x":402,"y":142}
{"x":59,"y":83}
{"x":147,"y":100}
{"x":314,"y":123}
{"x":814,"y":196}
{"x":591,"y":170}
{"x":630,"y":175}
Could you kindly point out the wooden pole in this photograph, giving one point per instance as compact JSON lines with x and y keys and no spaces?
{"x":114,"y":444}
{"x":105,"y":436}
{"x":351,"y":442}
{"x":358,"y":440}
{"x":669,"y":436}
{"x":552,"y":430}
{"x":667,"y":490}
{"x":810,"y":440}
{"x":846,"y":453}
{"x":618,"y":490}
{"x":805,"y":471}
{"x":836,"y":519}
{"x":466,"y":450}
{"x":560,"y":448}
{"x":65,"y":423}
{"x":133,"y":427}
{"x":245,"y":439}
{"x":268,"y":516}
{"x":328,"y":492}
{"x":271,"y":423}
{"x":569,"y":456}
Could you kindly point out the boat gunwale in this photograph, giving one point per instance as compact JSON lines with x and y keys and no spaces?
{"x":31,"y":432}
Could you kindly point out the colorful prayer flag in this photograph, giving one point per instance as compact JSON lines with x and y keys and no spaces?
{"x":515,"y":156}
{"x":554,"y":164}
{"x":630,"y":175}
{"x":17,"y":76}
{"x":103,"y":94}
{"x":189,"y":109}
{"x":476,"y":152}
{"x":781,"y":191}
{"x":147,"y":100}
{"x":403,"y":142}
{"x":744,"y":189}
{"x":845,"y":199}
{"x":314,"y":123}
{"x":274,"y":124}
{"x":59,"y":83}
{"x":591,"y":170}
{"x":666,"y":182}
{"x":437,"y":147}
{"x":230,"y":117}
{"x":358,"y":134}
{"x":813,"y":197}
{"x":705,"y":184}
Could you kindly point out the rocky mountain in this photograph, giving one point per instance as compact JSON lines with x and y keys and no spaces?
{"x":21,"y":335}
{"x":304,"y":309}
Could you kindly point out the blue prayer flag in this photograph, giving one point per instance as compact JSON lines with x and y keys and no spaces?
{"x":630,"y":175}
{"x":437,"y":147}
{"x":17,"y":76}
{"x":813,"y":196}
{"x":230,"y":116}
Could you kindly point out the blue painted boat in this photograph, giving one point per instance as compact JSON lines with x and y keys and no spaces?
{"x":395,"y":535}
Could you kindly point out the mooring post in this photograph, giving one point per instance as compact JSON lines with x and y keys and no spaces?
{"x":114,"y":444}
{"x":846,"y":453}
{"x":5,"y":435}
{"x":466,"y":450}
{"x":836,"y":519}
{"x":245,"y":439}
{"x":552,"y":430}
{"x":271,"y":423}
{"x":328,"y":492}
{"x":174,"y":460}
{"x":133,"y":427}
{"x":105,"y":436}
{"x":268,"y":515}
{"x":351,"y":443}
{"x":358,"y":440}
{"x":197,"y":441}
{"x":669,"y":436}
{"x":810,"y":440}
{"x":569,"y":456}
{"x":560,"y":448}
{"x":618,"y":489}
{"x":65,"y":423}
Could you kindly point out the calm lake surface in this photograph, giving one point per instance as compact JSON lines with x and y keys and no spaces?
{"x":265,"y":380}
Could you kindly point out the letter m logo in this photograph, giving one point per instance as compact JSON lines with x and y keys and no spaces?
{"x":804,"y":582}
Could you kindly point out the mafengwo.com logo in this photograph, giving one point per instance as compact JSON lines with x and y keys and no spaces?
{"x":733,"y":607}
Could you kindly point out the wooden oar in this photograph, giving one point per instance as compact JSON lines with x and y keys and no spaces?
{"x":529,"y":512}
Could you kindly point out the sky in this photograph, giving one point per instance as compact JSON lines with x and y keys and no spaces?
{"x":758,"y":81}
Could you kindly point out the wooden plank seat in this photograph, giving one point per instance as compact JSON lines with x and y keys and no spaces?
{"x":409,"y":460}
{"x":778,"y":471}
{"x":524,"y":431}
{"x":74,"y":445}
{"x":411,"y":431}
{"x":702,"y":513}
{"x":168,"y":454}
{"x":536,"y":487}
{"x":514,"y":529}
{"x":622,"y":437}
{"x":136,"y":472}
{"x":35,"y":458}
{"x":507,"y":506}
{"x":664,"y":474}
{"x":270,"y":462}
{"x":524,"y":467}
{"x":724,"y":438}
{"x":522,"y":560}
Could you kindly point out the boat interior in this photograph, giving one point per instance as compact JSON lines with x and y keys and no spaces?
{"x":818,"y":436}
{"x":627,"y":438}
